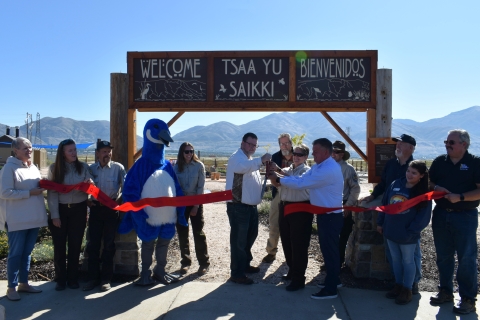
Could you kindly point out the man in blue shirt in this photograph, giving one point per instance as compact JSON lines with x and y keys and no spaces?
{"x":325,"y":184}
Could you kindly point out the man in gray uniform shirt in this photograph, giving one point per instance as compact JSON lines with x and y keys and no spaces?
{"x":108,"y":176}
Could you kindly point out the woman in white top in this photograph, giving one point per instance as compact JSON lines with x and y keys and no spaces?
{"x":23,"y":210}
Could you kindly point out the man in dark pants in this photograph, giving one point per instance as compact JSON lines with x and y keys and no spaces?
{"x":396,"y":169}
{"x":283,"y":159}
{"x":351,"y":191}
{"x":103,"y":221}
{"x":455,"y":220}
{"x":324,"y":182}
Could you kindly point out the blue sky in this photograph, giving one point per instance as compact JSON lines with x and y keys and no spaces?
{"x":56,"y":56}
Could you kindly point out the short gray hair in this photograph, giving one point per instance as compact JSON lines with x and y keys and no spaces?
{"x":463,"y":134}
{"x":285,"y":135}
{"x":20,"y":140}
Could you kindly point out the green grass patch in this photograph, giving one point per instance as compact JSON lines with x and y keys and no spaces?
{"x":3,"y":244}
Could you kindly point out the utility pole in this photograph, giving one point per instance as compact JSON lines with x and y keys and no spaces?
{"x":29,"y":125}
{"x":38,"y":137}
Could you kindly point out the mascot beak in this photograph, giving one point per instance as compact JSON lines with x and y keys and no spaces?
{"x":165,"y":137}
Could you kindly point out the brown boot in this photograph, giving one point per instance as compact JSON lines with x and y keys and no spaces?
{"x":392,"y":294}
{"x":405,"y":296}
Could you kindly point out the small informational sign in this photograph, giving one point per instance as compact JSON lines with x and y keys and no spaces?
{"x":251,"y":79}
{"x":170,"y":79}
{"x":380,"y":151}
{"x":333,"y":79}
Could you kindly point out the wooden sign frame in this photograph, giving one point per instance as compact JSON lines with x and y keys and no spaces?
{"x":290,"y":104}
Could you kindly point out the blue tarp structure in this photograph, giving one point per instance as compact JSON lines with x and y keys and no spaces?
{"x":51,"y":146}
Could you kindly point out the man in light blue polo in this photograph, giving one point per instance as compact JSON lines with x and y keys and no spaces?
{"x":325,"y":184}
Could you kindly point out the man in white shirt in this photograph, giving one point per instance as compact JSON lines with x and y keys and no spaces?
{"x":324,"y":181}
{"x":243,"y":178}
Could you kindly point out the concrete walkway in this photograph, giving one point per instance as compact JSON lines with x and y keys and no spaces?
{"x":199,"y":300}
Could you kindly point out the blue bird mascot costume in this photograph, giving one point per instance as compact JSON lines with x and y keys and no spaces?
{"x":150,"y":177}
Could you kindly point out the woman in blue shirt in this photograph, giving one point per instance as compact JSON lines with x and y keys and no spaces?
{"x":402,"y":230}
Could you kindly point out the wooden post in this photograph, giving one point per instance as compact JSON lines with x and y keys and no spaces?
{"x":124,"y":143}
{"x":365,"y":253}
{"x":119,"y":117}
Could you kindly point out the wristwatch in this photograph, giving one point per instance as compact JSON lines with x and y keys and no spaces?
{"x":462,"y":197}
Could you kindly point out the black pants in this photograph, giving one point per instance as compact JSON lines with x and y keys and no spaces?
{"x":73,"y":221}
{"x":295,"y":233}
{"x":102,"y":225}
{"x":199,"y":238}
{"x":344,"y":234}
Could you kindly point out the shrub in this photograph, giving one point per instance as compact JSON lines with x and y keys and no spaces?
{"x":43,"y":251}
{"x":264,"y":207}
{"x":3,"y":244}
{"x":267,"y":195}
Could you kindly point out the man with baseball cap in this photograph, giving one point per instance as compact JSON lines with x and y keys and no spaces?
{"x":396,"y":168}
{"x":108,"y":175}
{"x":351,"y":191}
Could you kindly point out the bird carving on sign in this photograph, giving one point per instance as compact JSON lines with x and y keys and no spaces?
{"x":222,"y":88}
{"x":145,"y":91}
{"x":281,"y":81}
{"x":317,"y":91}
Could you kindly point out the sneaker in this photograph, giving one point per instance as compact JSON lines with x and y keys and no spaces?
{"x":252,"y":269}
{"x":404,"y":297}
{"x":322,"y":285}
{"x":323,"y":294}
{"x":105,"y":286}
{"x":243,"y":280}
{"x":184,"y":269}
{"x":25,"y":287}
{"x":415,"y":288}
{"x":269,"y":258}
{"x":464,"y":306}
{"x":392,"y":294}
{"x":13,"y":295}
{"x":441,"y":296}
{"x":90,"y":285}
{"x":203,"y":269}
{"x":294,"y":286}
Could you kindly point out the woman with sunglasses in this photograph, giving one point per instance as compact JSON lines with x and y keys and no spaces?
{"x":296,"y":228}
{"x":191,"y":176}
{"x":402,"y":230}
{"x":68,"y":213}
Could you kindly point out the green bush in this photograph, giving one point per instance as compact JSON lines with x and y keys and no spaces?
{"x":264,"y":207}
{"x":267,"y":195}
{"x":43,"y":251}
{"x":3,"y":244}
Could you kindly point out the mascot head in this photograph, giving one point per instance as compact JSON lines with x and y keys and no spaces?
{"x":155,"y":137}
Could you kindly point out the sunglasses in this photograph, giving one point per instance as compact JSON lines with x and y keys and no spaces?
{"x":188,"y":151}
{"x":299,"y":154}
{"x":450,"y":142}
{"x":67,"y":141}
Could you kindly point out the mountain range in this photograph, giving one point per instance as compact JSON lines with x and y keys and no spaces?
{"x":222,"y":138}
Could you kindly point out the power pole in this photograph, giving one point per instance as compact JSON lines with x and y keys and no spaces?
{"x":29,"y":125}
{"x":38,"y":137}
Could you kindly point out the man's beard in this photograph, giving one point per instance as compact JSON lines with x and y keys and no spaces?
{"x":285,"y":153}
{"x":398,"y":153}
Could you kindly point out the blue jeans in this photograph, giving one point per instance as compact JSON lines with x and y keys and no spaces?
{"x":20,"y":246}
{"x":243,"y":232}
{"x":417,"y":259}
{"x":329,"y":227}
{"x":456,"y":232}
{"x":403,"y":262}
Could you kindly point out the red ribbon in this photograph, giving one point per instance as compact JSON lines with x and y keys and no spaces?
{"x":138,"y":205}
{"x":389,"y":209}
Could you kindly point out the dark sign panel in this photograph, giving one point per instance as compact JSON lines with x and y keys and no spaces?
{"x":383,"y":153}
{"x":333,"y":79}
{"x":251,"y":79}
{"x":170,"y":79}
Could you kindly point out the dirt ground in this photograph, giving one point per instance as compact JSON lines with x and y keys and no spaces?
{"x":217,"y":231}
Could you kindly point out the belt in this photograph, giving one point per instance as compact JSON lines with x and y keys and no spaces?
{"x":457,"y":210}
{"x":241,"y":204}
{"x":71,"y":205}
{"x":289,"y":202}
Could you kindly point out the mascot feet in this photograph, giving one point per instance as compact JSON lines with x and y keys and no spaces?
{"x":166,"y":278}
{"x":145,"y":279}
